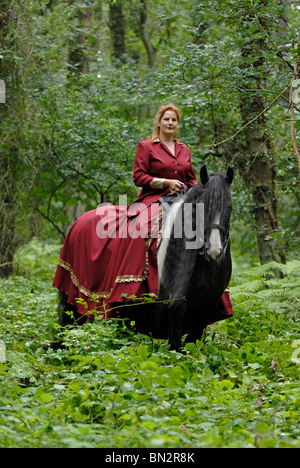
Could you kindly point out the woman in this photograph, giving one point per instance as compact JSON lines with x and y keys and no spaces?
{"x":162,"y":163}
{"x":110,"y":253}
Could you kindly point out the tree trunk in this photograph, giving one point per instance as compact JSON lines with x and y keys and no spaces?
{"x":7,"y":172}
{"x":7,"y":217}
{"x":260,"y":171}
{"x":78,"y":44}
{"x":261,"y":181}
{"x":150,"y":49}
{"x":117,"y":31}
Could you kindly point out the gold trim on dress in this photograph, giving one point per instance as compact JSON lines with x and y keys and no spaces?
{"x":129,"y":278}
{"x":137,"y":278}
{"x":119,"y":279}
{"x":82,"y":289}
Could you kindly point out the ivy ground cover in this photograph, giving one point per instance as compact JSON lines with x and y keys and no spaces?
{"x":106,"y":388}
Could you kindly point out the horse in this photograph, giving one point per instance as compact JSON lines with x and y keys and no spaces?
{"x":194,"y":265}
{"x":193,"y":280}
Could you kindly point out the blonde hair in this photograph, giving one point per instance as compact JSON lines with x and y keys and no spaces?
{"x":158,"y":117}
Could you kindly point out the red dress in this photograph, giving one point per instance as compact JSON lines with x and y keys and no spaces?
{"x":109,"y":253}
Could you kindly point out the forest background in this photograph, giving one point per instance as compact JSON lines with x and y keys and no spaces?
{"x":80,"y":84}
{"x":84,"y":80}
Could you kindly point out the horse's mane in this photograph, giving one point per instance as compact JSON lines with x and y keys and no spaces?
{"x":215,"y":193}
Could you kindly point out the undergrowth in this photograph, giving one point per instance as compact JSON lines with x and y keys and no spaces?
{"x":238,"y":387}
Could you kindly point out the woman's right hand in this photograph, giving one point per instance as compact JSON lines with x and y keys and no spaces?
{"x":174,"y":185}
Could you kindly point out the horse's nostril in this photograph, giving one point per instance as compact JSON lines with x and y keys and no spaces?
{"x":214,"y":253}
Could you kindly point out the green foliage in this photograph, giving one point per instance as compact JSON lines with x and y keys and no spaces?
{"x":37,"y":258}
{"x":66,"y":141}
{"x":107,"y":387}
{"x":72,"y":141}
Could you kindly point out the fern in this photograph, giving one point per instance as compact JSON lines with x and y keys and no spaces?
{"x":267,"y":286}
{"x":268,"y":269}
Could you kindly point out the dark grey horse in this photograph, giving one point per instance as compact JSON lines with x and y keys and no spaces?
{"x":192,"y":280}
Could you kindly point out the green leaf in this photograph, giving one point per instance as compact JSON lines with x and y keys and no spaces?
{"x":143,"y":351}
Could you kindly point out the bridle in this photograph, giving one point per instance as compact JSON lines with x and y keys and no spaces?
{"x":202,"y":250}
{"x":226,"y":232}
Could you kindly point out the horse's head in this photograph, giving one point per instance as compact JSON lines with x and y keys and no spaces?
{"x":217,"y":211}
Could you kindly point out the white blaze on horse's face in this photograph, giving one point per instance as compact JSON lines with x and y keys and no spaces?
{"x":214,"y":243}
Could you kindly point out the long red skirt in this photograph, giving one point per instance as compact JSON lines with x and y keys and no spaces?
{"x":109,"y":259}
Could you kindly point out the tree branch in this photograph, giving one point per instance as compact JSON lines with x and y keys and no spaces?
{"x":99,"y":191}
{"x":52,"y":195}
{"x":5,"y":264}
{"x":250,"y":121}
{"x":50,"y":221}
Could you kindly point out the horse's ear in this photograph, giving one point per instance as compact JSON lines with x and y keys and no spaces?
{"x":203,"y":175}
{"x":229,"y":175}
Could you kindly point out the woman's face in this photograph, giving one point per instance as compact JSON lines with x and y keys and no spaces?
{"x":168,"y":123}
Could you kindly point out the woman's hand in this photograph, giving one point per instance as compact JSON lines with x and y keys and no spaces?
{"x":174,"y":185}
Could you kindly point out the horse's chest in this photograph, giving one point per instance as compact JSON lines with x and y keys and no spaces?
{"x":207,"y":279}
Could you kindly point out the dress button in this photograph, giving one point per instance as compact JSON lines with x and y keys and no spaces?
{"x":175,"y":172}
{"x":176,"y":162}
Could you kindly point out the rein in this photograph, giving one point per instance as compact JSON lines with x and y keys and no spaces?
{"x":217,"y":226}
{"x":226,"y":233}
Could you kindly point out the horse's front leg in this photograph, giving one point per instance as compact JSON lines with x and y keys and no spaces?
{"x":176,"y":315}
{"x":195,"y":335}
{"x":64,"y":318}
